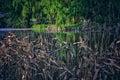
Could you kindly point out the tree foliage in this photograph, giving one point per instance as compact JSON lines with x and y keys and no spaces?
{"x":60,"y":12}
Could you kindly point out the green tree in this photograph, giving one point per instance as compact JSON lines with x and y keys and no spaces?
{"x":60,"y":12}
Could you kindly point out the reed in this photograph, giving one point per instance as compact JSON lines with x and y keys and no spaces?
{"x":50,"y":58}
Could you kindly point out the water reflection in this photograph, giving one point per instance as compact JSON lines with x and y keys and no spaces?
{"x":98,"y":41}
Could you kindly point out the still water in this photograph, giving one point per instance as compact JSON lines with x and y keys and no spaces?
{"x":97,"y":41}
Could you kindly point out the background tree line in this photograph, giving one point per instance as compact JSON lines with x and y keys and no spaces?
{"x":22,"y":13}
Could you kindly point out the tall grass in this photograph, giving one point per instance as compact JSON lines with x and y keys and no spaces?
{"x":51,"y":58}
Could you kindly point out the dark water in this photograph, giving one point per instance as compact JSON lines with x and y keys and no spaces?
{"x":98,"y":41}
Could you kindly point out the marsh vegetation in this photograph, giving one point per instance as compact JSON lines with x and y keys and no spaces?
{"x":48,"y":56}
{"x":60,"y":39}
